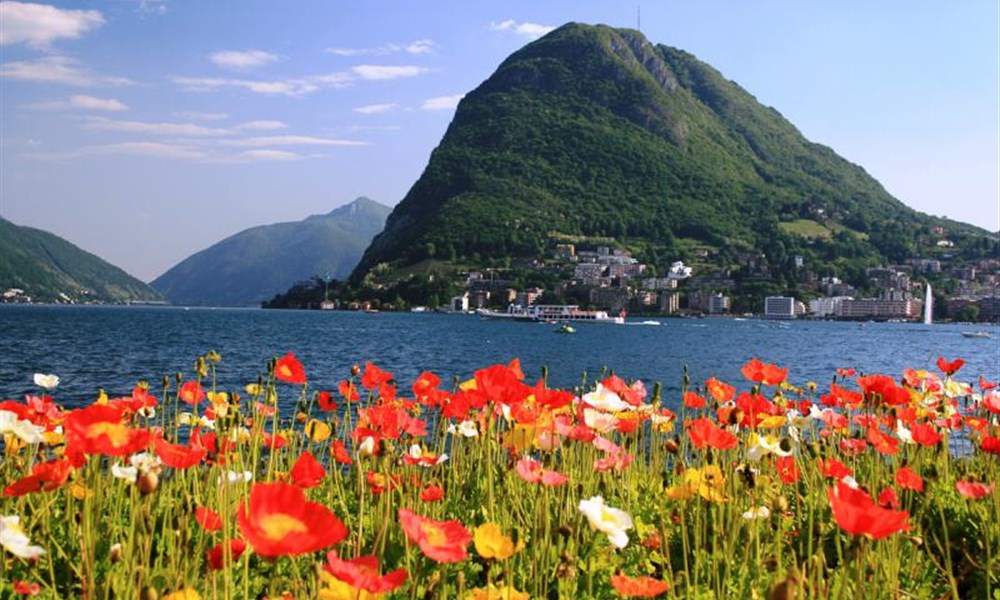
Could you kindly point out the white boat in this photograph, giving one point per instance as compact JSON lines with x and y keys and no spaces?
{"x":976,"y":334}
{"x":551,"y":312}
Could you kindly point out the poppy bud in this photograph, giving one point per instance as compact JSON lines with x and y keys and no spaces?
{"x":672,"y":447}
{"x":147,"y":482}
{"x":565,"y":531}
{"x":116,"y":552}
{"x":355,"y":370}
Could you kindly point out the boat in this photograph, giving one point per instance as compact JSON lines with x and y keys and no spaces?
{"x":551,"y":312}
{"x":976,"y":334}
{"x":565,"y":328}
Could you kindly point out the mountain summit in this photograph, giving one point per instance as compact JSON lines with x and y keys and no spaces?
{"x":595,"y":131}
{"x":255,"y":264}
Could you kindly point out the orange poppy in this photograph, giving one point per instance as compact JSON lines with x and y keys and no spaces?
{"x":307,"y":472}
{"x":278,"y":520}
{"x":441,"y":541}
{"x":191,"y":392}
{"x":721,"y":391}
{"x":340,"y":453}
{"x":431,"y":493}
{"x":44,"y":477}
{"x":857,"y":514}
{"x":693,"y":400}
{"x":638,"y":587}
{"x":833,"y":468}
{"x":348,"y":390}
{"x":98,"y":429}
{"x":374,"y":377}
{"x":289,"y":369}
{"x":362,"y":574}
{"x":882,"y":442}
{"x":788,"y":471}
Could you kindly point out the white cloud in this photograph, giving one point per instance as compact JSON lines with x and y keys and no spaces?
{"x":261,"y":125}
{"x":290,"y":87}
{"x":177,"y":129}
{"x":529,"y":30}
{"x":81,"y":102}
{"x":156,"y":7}
{"x":196,"y":115}
{"x":386,"y":72}
{"x":442,"y":102}
{"x":263,"y":155}
{"x":373,"y":109}
{"x":147,"y":149}
{"x":421,"y":46}
{"x":242,"y":60}
{"x":291,"y":140}
{"x":57,"y":69}
{"x":38,"y":25}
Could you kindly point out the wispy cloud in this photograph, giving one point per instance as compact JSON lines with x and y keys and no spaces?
{"x":384,"y":72}
{"x":152,"y":7}
{"x":147,"y":149}
{"x":261,"y":125}
{"x":196,"y":115}
{"x":81,"y":102}
{"x":288,"y":87}
{"x":38,"y":25}
{"x":442,"y":102}
{"x":291,"y":140}
{"x":421,"y":46}
{"x":257,"y":156}
{"x":529,"y":30}
{"x":58,"y":69}
{"x":242,"y":60}
{"x":142,"y":127}
{"x":374,"y":109}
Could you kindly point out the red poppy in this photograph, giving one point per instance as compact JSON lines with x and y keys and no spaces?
{"x":441,"y":541}
{"x":207,"y":518}
{"x":325,"y":400}
{"x":991,"y":400}
{"x":280,"y":521}
{"x":216,"y":557}
{"x":973,"y":489}
{"x":990,"y":444}
{"x":986,"y":384}
{"x":842,"y":372}
{"x":426,"y":383}
{"x":191,"y":392}
{"x":857,"y":514}
{"x":275,"y":441}
{"x":99,"y":429}
{"x":431,"y":493}
{"x":289,"y":369}
{"x":340,"y":453}
{"x":841,"y":397}
{"x":373,"y":376}
{"x":26,"y":588}
{"x":925,"y":434}
{"x":788,"y":471}
{"x":908,"y":479}
{"x":638,"y":587}
{"x":949,"y":368}
{"x":764,"y":373}
{"x":853,"y":446}
{"x":176,"y":455}
{"x":703,"y":432}
{"x":833,"y":468}
{"x":882,"y":388}
{"x":44,"y":477}
{"x":693,"y":400}
{"x":362,"y":574}
{"x":755,"y":408}
{"x":551,"y":398}
{"x":307,"y":472}
{"x":889,"y":499}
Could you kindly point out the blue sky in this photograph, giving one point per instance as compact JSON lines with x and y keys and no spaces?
{"x":146,"y":130}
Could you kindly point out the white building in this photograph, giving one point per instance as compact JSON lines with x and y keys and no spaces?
{"x":779,"y":307}
{"x":824,"y":308}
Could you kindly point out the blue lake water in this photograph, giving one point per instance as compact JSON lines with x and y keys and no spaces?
{"x":94,"y":347}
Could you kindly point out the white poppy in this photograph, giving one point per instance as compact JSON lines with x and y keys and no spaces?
{"x":610,"y":521}
{"x":46,"y":381}
{"x":15,"y":541}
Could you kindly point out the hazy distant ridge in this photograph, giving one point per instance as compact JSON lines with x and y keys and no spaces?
{"x":255,"y":264}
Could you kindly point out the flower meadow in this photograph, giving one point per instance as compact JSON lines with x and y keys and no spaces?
{"x":499,"y":487}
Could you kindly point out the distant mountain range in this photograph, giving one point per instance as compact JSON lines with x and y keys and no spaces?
{"x":594,"y":132}
{"x":47,"y":268}
{"x":255,"y":264}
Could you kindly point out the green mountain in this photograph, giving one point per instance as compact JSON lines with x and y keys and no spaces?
{"x":255,"y":264}
{"x":47,"y":268}
{"x":592,"y":132}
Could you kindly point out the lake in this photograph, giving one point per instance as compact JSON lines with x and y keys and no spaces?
{"x":94,"y":347}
